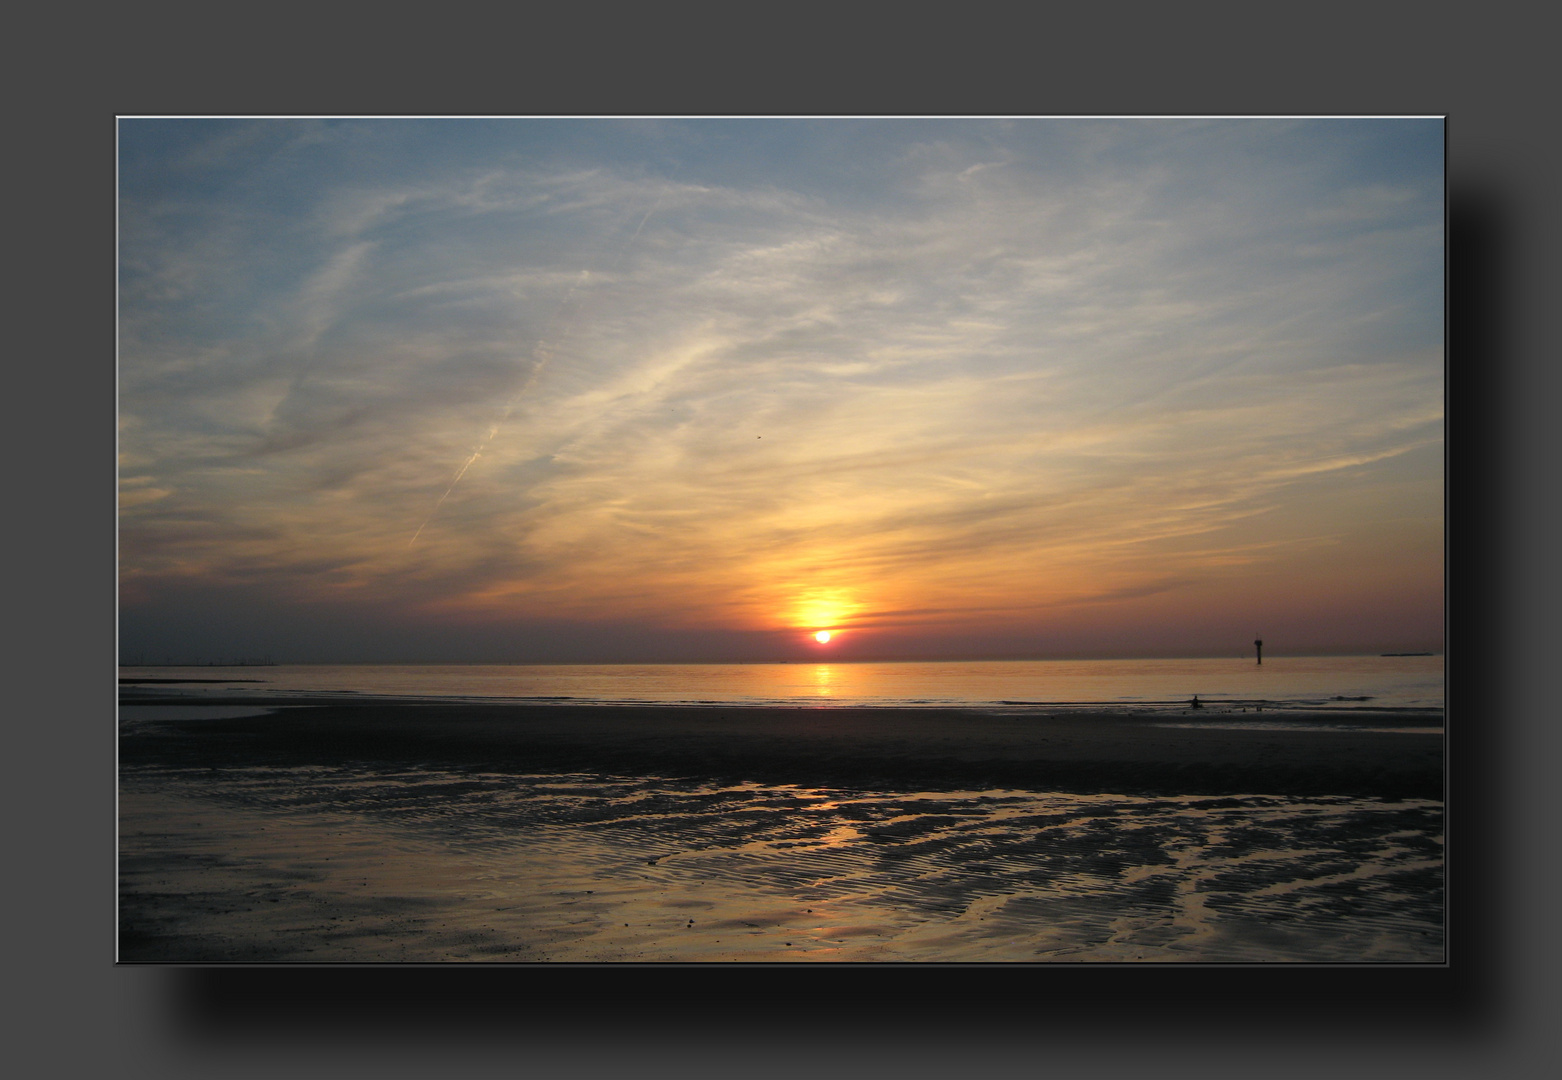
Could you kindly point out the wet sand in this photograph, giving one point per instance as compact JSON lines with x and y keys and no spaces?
{"x":895,"y":748}
{"x":562,"y":834}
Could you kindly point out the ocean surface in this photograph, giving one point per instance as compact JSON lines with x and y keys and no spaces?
{"x":368,"y":861}
{"x":1336,"y":682}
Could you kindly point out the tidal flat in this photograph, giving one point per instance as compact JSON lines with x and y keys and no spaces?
{"x":301,"y":835}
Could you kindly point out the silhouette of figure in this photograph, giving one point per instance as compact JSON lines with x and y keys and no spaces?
{"x":1259,"y":645}
{"x":1197,"y":704}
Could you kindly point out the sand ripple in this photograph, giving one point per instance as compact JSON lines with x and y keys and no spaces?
{"x":356,"y":863}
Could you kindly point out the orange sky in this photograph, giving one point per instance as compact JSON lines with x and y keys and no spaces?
{"x":694,"y":390}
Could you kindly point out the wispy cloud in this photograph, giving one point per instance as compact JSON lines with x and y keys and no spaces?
{"x":1004,"y":370}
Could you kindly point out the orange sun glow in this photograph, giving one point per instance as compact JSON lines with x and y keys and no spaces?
{"x":822,"y":636}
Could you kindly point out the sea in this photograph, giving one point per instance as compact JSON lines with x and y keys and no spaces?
{"x":1312,"y":682}
{"x":365,"y":862}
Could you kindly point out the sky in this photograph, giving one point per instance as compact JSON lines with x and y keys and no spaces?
{"x":596,"y":390}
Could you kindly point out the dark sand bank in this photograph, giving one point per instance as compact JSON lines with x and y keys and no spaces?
{"x":889,"y":749}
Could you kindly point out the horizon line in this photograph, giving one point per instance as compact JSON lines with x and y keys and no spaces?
{"x":888,"y":659}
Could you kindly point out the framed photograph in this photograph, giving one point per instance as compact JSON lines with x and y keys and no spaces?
{"x":760,"y":540}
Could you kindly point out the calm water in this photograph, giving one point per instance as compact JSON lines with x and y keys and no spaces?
{"x":1327,"y":681}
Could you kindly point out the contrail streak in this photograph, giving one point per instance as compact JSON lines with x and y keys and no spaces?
{"x":643,"y":220}
{"x":542,"y":352}
{"x":459,"y":474}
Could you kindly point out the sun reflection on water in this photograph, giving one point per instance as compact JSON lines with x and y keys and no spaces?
{"x":824,"y":680}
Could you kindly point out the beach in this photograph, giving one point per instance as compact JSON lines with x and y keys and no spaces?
{"x":318,"y":831}
{"x":1079,"y":750}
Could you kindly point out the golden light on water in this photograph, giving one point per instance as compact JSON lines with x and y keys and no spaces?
{"x":824,"y":681}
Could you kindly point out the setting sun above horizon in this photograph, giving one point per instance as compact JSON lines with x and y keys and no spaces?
{"x":624,"y":390}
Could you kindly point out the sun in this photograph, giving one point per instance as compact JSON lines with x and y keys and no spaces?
{"x":822,"y":636}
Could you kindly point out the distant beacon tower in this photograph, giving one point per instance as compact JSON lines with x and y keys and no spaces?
{"x":1259,"y":645}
